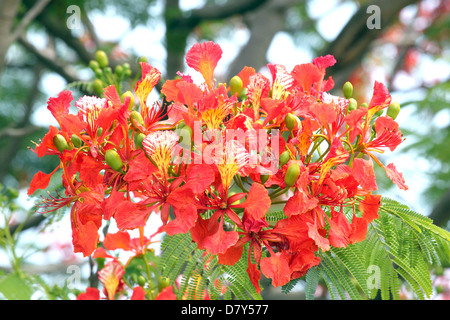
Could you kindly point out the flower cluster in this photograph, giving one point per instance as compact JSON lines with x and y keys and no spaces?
{"x":214,"y":159}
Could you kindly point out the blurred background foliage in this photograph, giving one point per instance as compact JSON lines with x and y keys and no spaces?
{"x":41,"y":53}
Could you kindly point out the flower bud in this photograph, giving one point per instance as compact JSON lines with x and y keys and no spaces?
{"x":163,"y":282}
{"x":102,"y":58}
{"x":141,"y":281}
{"x":284,"y":158}
{"x":60,"y":143}
{"x":347,"y":89}
{"x":98,"y":87}
{"x":393,"y":110}
{"x":264,"y":178}
{"x":186,"y":135}
{"x":113,"y":160}
{"x":142,"y":59}
{"x":290,"y":121}
{"x":138,"y":138}
{"x":352,"y":104}
{"x":76,"y":141}
{"x":118,"y":70}
{"x":136,"y":117}
{"x":93,"y":64}
{"x":129,"y":94}
{"x":292,"y":174}
{"x":236,"y":85}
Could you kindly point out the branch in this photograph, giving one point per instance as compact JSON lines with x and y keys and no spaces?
{"x":29,"y":16}
{"x":216,"y":12}
{"x":355,"y":39}
{"x":48,"y":59}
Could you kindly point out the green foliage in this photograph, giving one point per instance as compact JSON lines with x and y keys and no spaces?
{"x":401,"y":247}
{"x":201,"y":273}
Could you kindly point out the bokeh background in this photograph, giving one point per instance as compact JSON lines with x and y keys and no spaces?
{"x":46,"y":46}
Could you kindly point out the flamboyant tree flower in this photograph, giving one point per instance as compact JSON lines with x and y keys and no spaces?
{"x":280,"y":139}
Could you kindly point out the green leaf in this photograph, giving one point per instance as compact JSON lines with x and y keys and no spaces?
{"x":13,"y":287}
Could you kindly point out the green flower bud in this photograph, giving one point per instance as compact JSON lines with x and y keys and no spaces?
{"x":142,"y":59}
{"x":290,"y":121}
{"x":347,"y":89}
{"x":264,"y":178}
{"x":98,"y":87}
{"x":102,"y":58}
{"x":352,"y":104}
{"x":163,"y":282}
{"x":236,"y":85}
{"x":379,"y":113}
{"x":76,"y":141}
{"x":136,"y":117}
{"x":393,"y":110}
{"x":284,"y":158}
{"x":113,"y":160}
{"x":364,"y":105}
{"x":186,"y":134}
{"x":292,"y":174}
{"x":60,"y":143}
{"x":141,"y":281}
{"x":93,"y":64}
{"x":129,"y":94}
{"x":118,"y":70}
{"x":138,"y":138}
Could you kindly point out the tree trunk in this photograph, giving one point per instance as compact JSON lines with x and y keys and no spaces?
{"x":8,"y":13}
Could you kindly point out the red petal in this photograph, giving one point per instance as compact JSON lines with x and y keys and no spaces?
{"x":170,"y":89}
{"x":277,"y":268}
{"x":61,"y":104}
{"x":189,"y":93}
{"x":231,"y":256}
{"x":199,"y":177}
{"x":300,"y":203}
{"x":363,"y":172}
{"x":359,"y":229}
{"x":305,"y":75}
{"x":203,"y":57}
{"x":324,"y":62}
{"x":220,"y":241}
{"x":138,"y":293}
{"x":130,"y":215}
{"x":166,"y":294}
{"x":185,"y":211}
{"x":396,"y":176}
{"x":119,"y":240}
{"x":257,"y":202}
{"x":85,"y":237}
{"x":39,"y":181}
{"x":245,"y":74}
{"x":369,"y":207}
{"x":47,"y":142}
{"x":254,"y":275}
{"x":90,"y":294}
{"x":111,"y":278}
{"x":150,"y":77}
{"x":381,"y":98}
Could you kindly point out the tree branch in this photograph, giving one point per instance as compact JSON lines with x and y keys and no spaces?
{"x":216,"y":12}
{"x":29,"y":16}
{"x":48,"y":59}
{"x":355,"y":39}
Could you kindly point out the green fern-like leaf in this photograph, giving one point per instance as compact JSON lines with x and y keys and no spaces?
{"x":401,"y":246}
{"x":201,"y":273}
